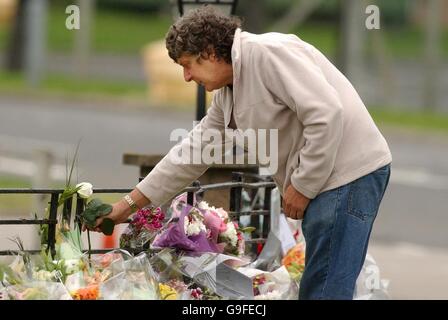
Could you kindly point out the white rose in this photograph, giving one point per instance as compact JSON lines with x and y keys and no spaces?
{"x":85,"y":189}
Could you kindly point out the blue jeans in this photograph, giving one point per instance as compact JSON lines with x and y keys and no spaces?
{"x":336,"y":227}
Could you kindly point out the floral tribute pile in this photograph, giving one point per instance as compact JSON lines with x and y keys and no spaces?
{"x":159,"y":258}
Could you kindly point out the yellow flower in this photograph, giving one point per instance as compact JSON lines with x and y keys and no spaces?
{"x":167,"y":293}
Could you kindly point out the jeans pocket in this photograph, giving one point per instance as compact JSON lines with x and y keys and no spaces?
{"x":365,"y":194}
{"x":383,"y":170}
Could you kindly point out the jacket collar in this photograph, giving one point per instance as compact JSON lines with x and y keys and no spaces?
{"x":236,"y":61}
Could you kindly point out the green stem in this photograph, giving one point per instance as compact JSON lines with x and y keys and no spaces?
{"x":90,"y":246}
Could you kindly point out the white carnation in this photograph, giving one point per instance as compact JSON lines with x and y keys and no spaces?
{"x":205,"y":206}
{"x":230,"y":233}
{"x":194,"y":227}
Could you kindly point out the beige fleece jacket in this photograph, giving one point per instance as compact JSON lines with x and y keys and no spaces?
{"x":326,"y":136}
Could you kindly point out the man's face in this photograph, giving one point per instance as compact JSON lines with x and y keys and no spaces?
{"x":212,"y":73}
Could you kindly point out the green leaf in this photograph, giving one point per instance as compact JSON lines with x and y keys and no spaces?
{"x":67,"y":194}
{"x":94,"y":203}
{"x":95,"y":209}
{"x":248,"y":229}
{"x":104,"y":209}
{"x":75,"y":156}
{"x":107,"y":226}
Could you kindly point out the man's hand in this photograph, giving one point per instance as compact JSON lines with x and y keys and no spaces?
{"x":119,"y":214}
{"x":121,"y":210}
{"x":294,"y":203}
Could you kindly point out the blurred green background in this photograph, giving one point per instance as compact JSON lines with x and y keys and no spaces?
{"x":393,"y":62}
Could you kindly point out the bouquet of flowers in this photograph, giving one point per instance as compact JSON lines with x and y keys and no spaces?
{"x":276,"y":285}
{"x":228,"y":232}
{"x":145,"y":224}
{"x":294,"y":261}
{"x":201,"y":228}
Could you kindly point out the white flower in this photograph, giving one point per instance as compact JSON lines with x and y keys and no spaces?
{"x":194,"y":227}
{"x":231,"y":234}
{"x":205,"y":206}
{"x":220,"y":211}
{"x":85,"y":189}
{"x":44,"y":275}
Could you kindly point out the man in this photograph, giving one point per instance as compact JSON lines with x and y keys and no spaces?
{"x":333,"y":163}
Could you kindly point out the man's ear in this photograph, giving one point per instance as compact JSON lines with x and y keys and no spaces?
{"x":210,"y":55}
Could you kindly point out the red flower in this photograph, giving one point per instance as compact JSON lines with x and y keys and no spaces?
{"x":259,"y":247}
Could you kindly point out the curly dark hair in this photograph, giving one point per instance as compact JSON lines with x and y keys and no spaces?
{"x":202,"y":31}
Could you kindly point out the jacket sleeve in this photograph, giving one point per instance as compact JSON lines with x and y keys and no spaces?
{"x":177,"y":170}
{"x":292,"y":75}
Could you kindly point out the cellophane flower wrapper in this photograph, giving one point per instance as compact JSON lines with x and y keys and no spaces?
{"x":3,"y":292}
{"x":39,"y":290}
{"x":369,"y":285}
{"x":15,"y":272}
{"x":276,"y":285}
{"x":174,"y":236}
{"x":173,"y":283}
{"x":217,"y":274}
{"x":200,"y":228}
{"x":165,"y":265}
{"x":142,"y":229}
{"x":85,"y":284}
{"x":179,"y":275}
{"x":135,"y":281}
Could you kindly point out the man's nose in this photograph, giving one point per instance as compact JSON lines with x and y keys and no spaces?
{"x":187,"y":75}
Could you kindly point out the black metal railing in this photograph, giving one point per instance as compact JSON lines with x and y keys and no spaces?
{"x":240,"y":181}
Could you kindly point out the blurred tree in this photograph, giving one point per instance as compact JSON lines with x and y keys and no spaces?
{"x":298,"y":13}
{"x":137,"y":6}
{"x":15,"y":57}
{"x":254,"y":16}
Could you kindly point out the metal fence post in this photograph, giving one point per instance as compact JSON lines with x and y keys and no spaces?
{"x":67,"y":211}
{"x":236,"y":194}
{"x":52,"y":227}
{"x":266,"y":206}
{"x":80,"y":204}
{"x":190,"y":194}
